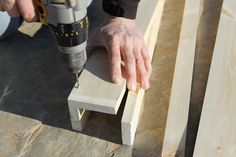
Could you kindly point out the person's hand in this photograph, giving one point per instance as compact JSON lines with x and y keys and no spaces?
{"x":125,"y":44}
{"x":19,"y":7}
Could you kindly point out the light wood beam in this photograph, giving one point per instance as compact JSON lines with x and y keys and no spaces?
{"x":217,"y":130}
{"x":177,"y":119}
{"x":134,"y":100}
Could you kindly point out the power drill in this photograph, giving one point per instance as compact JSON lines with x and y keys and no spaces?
{"x":68,"y":22}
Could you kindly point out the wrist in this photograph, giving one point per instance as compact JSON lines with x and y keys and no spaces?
{"x":119,"y":20}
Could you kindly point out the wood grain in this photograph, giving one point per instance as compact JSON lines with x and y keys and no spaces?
{"x":101,"y":95}
{"x":176,"y":125}
{"x":217,"y":130}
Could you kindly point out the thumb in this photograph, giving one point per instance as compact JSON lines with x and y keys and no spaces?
{"x":1,"y":7}
{"x":11,"y":7}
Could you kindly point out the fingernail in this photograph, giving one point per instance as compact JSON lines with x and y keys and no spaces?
{"x":133,"y":86}
{"x":145,"y":85}
{"x":116,"y":79}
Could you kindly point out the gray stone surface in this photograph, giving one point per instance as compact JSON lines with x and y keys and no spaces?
{"x":34,"y":85}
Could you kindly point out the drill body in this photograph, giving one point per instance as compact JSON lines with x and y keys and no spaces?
{"x":68,"y":22}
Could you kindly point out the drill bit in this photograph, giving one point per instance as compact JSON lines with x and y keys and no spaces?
{"x":77,"y":79}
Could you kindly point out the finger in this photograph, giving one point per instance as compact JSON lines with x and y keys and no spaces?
{"x":27,"y":10}
{"x":115,"y":61}
{"x":11,"y":7}
{"x":141,"y":69}
{"x":129,"y":60}
{"x":147,"y":60}
{"x":1,"y":7}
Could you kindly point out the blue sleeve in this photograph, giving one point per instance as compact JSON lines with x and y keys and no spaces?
{"x":8,"y":24}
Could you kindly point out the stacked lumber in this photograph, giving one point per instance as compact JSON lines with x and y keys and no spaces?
{"x":217,"y":130}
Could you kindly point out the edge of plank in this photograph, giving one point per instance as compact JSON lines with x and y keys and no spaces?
{"x":109,"y":106}
{"x":177,"y":119}
{"x":134,"y":99}
{"x":216,"y":131}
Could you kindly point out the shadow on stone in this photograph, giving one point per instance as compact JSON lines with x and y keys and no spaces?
{"x":34,"y":83}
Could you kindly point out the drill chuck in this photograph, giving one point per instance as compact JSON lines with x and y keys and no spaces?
{"x":71,"y":40}
{"x":74,"y":58}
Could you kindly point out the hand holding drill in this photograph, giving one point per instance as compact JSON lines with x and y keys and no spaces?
{"x":118,"y":34}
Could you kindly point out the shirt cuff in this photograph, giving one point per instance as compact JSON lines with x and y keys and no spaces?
{"x":121,"y":8}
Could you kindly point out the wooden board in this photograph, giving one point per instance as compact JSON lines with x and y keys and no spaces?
{"x":217,"y":130}
{"x":97,"y":92}
{"x":132,"y":108}
{"x":176,"y":125}
{"x":91,"y":95}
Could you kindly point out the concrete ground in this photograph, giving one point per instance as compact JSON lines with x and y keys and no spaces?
{"x":34,"y":85}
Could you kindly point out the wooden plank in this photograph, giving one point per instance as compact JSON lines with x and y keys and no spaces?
{"x":217,"y":130}
{"x":176,"y":125}
{"x":132,"y":108}
{"x":97,"y":92}
{"x":95,"y":97}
